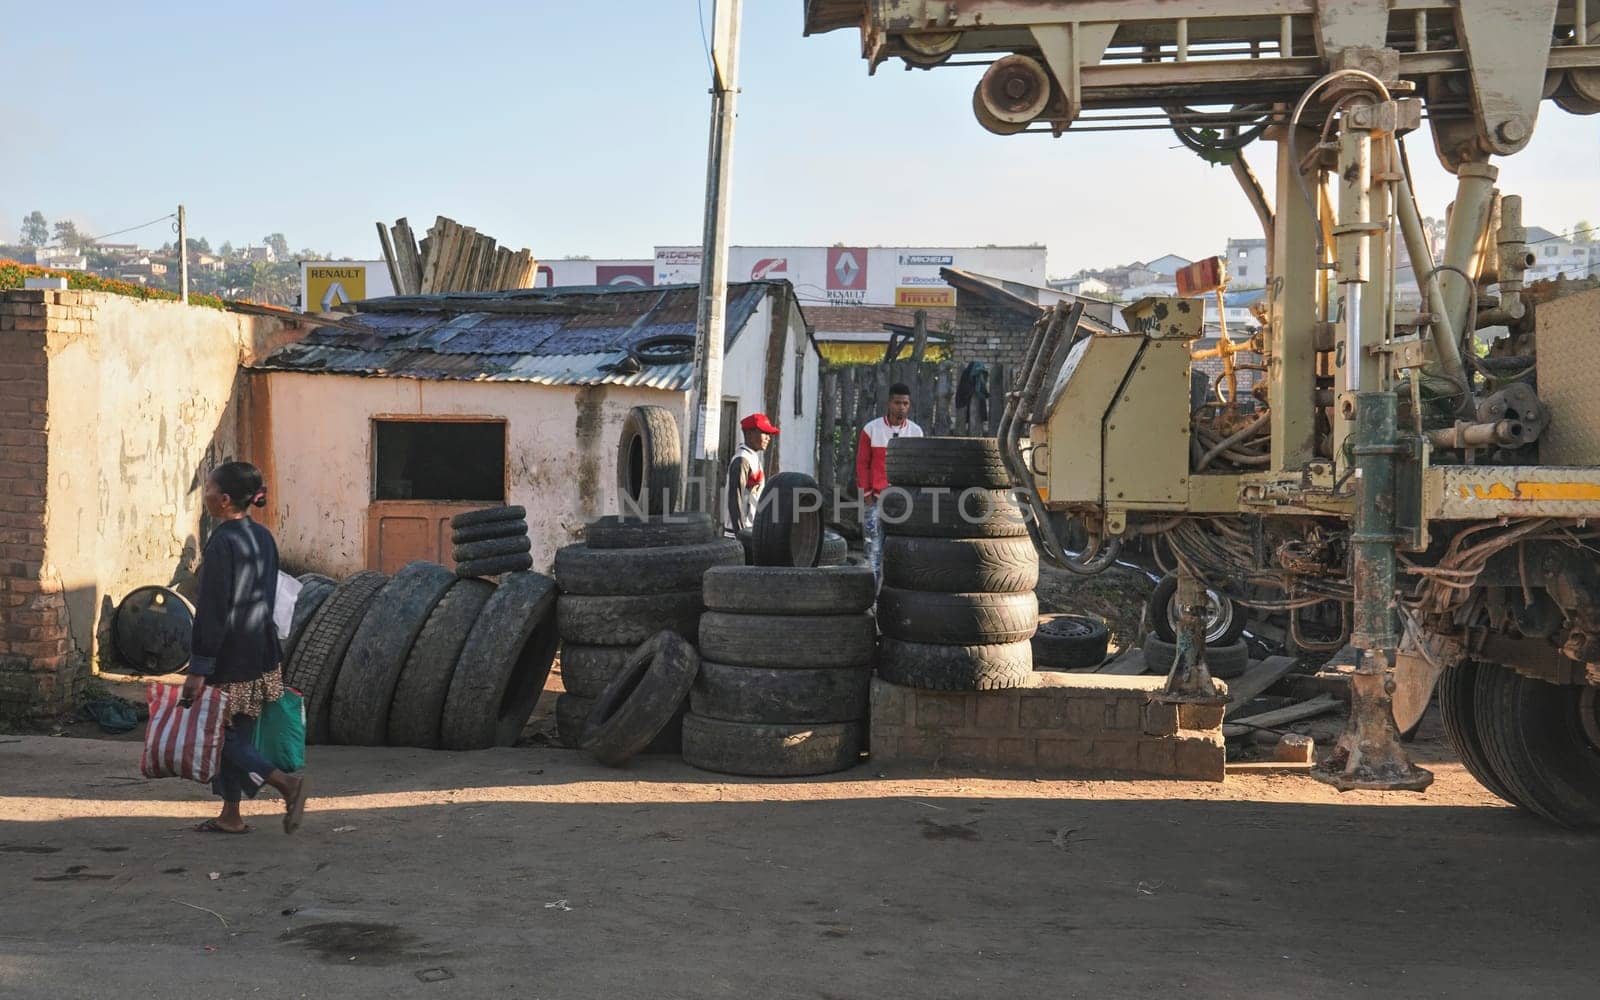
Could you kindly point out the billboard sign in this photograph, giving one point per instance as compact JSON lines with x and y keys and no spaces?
{"x":925,"y":298}
{"x":329,"y":284}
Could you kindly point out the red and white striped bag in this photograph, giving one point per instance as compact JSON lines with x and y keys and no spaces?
{"x":183,"y":742}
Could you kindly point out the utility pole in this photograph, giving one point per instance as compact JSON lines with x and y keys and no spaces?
{"x":183,"y":256}
{"x":705,"y":416}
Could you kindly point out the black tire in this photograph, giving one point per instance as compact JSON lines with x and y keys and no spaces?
{"x":788,"y":528}
{"x":1070,"y":642}
{"x":586,"y":670}
{"x":758,"y":694}
{"x":641,"y":700}
{"x":503,"y":665}
{"x":488,"y":548}
{"x":1529,"y":730}
{"x":314,"y":670}
{"x":1224,"y":662}
{"x":834,"y":549}
{"x":771,"y":751}
{"x":361,"y":698}
{"x":615,"y":531}
{"x":649,"y":461}
{"x":790,"y":590}
{"x":494,"y":529}
{"x":946,"y":461}
{"x":971,"y":619}
{"x":494,"y":566}
{"x":961,"y":565}
{"x":937,"y":512}
{"x":615,"y":572}
{"x":990,"y":667}
{"x":419,"y":697}
{"x":788,"y":642}
{"x":314,"y":589}
{"x":1458,"y":714}
{"x":488,"y":515}
{"x":603,"y":620}
{"x":572,"y":713}
{"x":1224,"y":627}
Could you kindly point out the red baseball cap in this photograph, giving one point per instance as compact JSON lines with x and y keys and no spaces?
{"x":758,"y":422}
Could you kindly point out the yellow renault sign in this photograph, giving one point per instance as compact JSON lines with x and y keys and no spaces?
{"x":330,"y":286}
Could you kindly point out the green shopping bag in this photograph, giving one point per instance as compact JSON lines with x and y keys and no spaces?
{"x":281,"y":731}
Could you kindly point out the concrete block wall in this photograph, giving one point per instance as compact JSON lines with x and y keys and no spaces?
{"x":1062,"y":724}
{"x":982,"y":332}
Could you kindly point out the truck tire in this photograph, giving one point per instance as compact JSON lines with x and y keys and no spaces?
{"x":362,"y":696}
{"x":1527,"y":728}
{"x":503,"y":665}
{"x":314,"y":670}
{"x":989,"y":667}
{"x":1225,"y":621}
{"x":1224,"y":662}
{"x":946,"y":461}
{"x":758,"y":694}
{"x":787,"y":642}
{"x":649,"y":461}
{"x":1070,"y":642}
{"x":489,"y":548}
{"x":1458,"y":714}
{"x":616,"y":572}
{"x":834,"y":549}
{"x":957,"y":619}
{"x":935,"y":512}
{"x":314,"y":589}
{"x":789,"y":590}
{"x":419,"y":697}
{"x":494,"y":529}
{"x":586,"y":670}
{"x":641,"y":700}
{"x":788,"y":528}
{"x":771,"y":751}
{"x":572,"y":713}
{"x":619,"y":532}
{"x":605,"y":620}
{"x":961,"y":565}
{"x":488,"y":515}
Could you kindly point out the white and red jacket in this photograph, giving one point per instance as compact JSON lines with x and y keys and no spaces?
{"x":872,"y":448}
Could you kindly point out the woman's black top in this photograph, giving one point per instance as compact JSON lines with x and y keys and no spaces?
{"x":234,"y":636}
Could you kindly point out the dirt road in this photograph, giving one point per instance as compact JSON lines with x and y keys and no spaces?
{"x":534,"y":873}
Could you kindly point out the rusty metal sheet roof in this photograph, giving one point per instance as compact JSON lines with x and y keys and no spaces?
{"x":573,"y":349}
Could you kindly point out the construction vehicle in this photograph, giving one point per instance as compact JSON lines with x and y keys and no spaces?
{"x":1432,"y":484}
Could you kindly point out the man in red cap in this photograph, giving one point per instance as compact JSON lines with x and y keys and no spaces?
{"x":745,"y":476}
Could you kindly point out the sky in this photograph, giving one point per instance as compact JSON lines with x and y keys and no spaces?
{"x":580,"y":129}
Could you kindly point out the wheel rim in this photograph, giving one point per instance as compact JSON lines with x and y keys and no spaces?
{"x":1219,"y":615}
{"x":1589,"y":716}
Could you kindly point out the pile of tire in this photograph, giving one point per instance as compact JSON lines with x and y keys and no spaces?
{"x":490,"y":542}
{"x":957,"y":609}
{"x":424,"y":658}
{"x":1227,"y":654}
{"x":786,"y":664}
{"x":630,"y":579}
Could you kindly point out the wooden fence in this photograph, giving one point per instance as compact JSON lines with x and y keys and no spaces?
{"x":856,"y":394}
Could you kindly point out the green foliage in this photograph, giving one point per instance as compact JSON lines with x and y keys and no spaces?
{"x":66,"y":234}
{"x":12,"y":275}
{"x":35,"y":230}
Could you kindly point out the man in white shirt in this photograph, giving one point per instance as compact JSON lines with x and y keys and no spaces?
{"x":872,"y":448}
{"x":745,"y":475}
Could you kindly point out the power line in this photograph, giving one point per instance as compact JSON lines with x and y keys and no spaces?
{"x":96,"y":239}
{"x":705,"y":43}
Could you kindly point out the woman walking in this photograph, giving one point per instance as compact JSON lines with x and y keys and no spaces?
{"x":235,"y":644}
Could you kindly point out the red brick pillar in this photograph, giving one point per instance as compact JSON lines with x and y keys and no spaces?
{"x":39,"y":672}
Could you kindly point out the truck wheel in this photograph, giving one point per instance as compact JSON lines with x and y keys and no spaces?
{"x":789,"y":590}
{"x":1534,"y":734}
{"x":649,"y":460}
{"x":834,"y":549}
{"x":757,"y":694}
{"x":955,"y":668}
{"x":318,"y":656}
{"x":581,"y":569}
{"x":605,"y":620}
{"x":771,"y":751}
{"x":615,"y":531}
{"x":787,"y":642}
{"x":425,"y":679}
{"x":494,"y":529}
{"x":957,"y":619}
{"x":503,"y":665}
{"x":1070,"y":642}
{"x":1225,"y":620}
{"x":314,"y":589}
{"x":932,"y":512}
{"x":489,"y":515}
{"x":572,"y":713}
{"x":961,"y":565}
{"x":1458,"y":715}
{"x":946,"y":461}
{"x":488,"y":548}
{"x":641,"y":700}
{"x":365,"y":689}
{"x":586,"y":670}
{"x":788,"y":528}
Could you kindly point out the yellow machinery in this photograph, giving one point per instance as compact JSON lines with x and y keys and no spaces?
{"x":1438,"y":493}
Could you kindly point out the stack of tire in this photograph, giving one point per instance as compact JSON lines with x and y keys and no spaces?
{"x":786,"y":664}
{"x":423,"y":658}
{"x":630,"y":578}
{"x":957,"y":608}
{"x":1227,"y":654}
{"x":491,"y":541}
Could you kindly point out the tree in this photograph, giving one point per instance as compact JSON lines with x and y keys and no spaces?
{"x":35,"y":230}
{"x":66,"y":232}
{"x":226,"y":250}
{"x":1583,"y":231}
{"x":278,"y":245}
{"x":201,"y":245}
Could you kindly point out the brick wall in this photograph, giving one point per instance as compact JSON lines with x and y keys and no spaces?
{"x":983,"y":332}
{"x":41,"y":671}
{"x":1062,"y":724}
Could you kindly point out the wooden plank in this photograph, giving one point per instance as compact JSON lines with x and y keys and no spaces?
{"x":1128,"y":664}
{"x":1261,"y":675}
{"x":405,"y":244}
{"x":463,"y":259}
{"x":469,"y":265}
{"x":389,"y":258}
{"x":432,"y":247}
{"x":997,"y":397}
{"x":497,"y":275}
{"x":826,"y":430}
{"x":484,"y":280}
{"x":1280,"y":717}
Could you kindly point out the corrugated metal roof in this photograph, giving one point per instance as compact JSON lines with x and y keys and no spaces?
{"x":544,"y":349}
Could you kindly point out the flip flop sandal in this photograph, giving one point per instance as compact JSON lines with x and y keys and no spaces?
{"x":212,"y":826}
{"x":297,"y":807}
